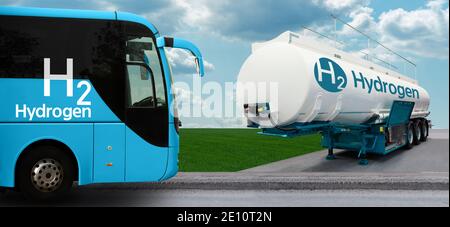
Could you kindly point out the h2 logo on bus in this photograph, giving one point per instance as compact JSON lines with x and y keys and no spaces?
{"x":69,"y":82}
{"x":329,"y":75}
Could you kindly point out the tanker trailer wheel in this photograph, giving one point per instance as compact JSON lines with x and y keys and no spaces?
{"x":417,"y":132}
{"x":424,"y":130}
{"x":45,"y":173}
{"x":410,"y":136}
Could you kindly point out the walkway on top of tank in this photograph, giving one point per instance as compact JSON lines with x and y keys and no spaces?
{"x":429,"y":157}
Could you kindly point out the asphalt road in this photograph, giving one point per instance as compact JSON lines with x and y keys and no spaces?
{"x":388,"y":178}
{"x":231,"y":198}
{"x":429,"y":157}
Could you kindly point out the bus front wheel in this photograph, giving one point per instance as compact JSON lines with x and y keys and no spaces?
{"x":45,"y":173}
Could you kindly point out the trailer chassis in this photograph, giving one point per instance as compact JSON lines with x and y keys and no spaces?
{"x":376,"y":137}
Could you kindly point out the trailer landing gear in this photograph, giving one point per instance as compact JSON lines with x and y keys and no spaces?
{"x":331,"y":156}
{"x":363,"y":158}
{"x":363,"y":162}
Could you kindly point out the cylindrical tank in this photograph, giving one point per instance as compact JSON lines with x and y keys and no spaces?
{"x":295,"y":79}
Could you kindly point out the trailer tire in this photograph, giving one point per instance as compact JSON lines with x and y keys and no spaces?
{"x":409,"y":136}
{"x":425,"y":131}
{"x":45,"y":173}
{"x":417,"y":132}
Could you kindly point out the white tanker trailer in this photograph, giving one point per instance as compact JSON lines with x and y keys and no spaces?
{"x":294,"y":85}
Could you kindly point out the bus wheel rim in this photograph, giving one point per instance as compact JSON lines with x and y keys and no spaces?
{"x":47,"y":175}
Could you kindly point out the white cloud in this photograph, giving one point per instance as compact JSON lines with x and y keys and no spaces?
{"x":195,"y":11}
{"x":361,"y":19}
{"x":436,"y":4}
{"x":184,"y":63}
{"x":185,"y":98}
{"x":341,"y":5}
{"x":256,"y":19}
{"x":189,"y":103}
{"x":422,"y":32}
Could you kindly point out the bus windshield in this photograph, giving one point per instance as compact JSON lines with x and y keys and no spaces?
{"x":142,"y":50}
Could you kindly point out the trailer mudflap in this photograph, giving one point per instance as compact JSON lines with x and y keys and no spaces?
{"x":400,"y":114}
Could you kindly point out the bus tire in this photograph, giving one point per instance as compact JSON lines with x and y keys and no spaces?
{"x":425,"y":131}
{"x":409,"y":136}
{"x":45,"y":173}
{"x":417,"y":132}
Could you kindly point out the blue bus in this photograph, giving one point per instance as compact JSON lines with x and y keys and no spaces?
{"x":86,"y":98}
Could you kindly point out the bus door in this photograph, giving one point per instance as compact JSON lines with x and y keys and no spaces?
{"x":147,"y":114}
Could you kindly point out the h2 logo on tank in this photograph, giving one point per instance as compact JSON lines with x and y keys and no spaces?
{"x":66,"y":113}
{"x":331,"y":77}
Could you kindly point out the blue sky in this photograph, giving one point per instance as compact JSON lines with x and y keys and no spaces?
{"x":225,"y":29}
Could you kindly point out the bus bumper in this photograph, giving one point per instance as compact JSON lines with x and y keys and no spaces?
{"x":172,"y":164}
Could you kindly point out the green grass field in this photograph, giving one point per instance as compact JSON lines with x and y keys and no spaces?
{"x":230,"y":150}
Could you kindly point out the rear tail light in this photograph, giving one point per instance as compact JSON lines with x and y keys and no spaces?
{"x":256,"y":113}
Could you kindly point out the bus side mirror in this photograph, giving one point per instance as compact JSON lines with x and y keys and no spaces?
{"x":185,"y":45}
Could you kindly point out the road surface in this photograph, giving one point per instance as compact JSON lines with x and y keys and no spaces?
{"x":417,"y":177}
{"x":250,"y":198}
{"x":429,"y":157}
